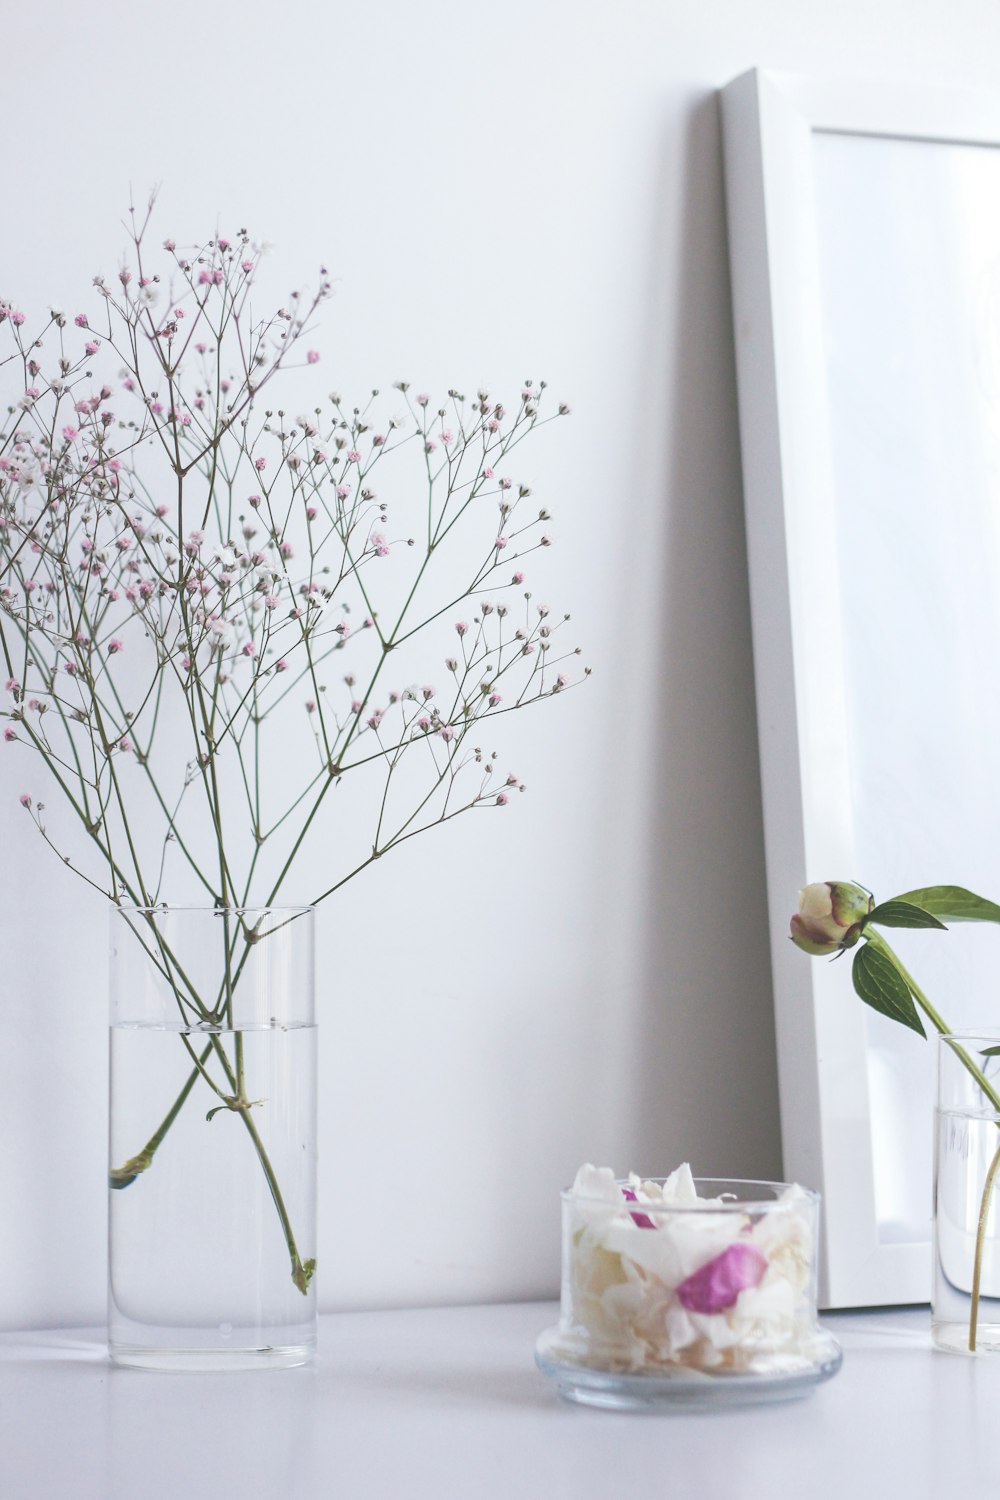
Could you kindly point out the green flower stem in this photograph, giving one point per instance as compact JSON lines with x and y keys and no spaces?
{"x":991,"y":1094}
{"x":120,"y":1177}
{"x":939,"y":1024}
{"x":301,"y":1271}
{"x":977,"y":1270}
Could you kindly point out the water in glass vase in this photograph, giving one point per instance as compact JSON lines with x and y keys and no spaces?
{"x":211,"y":1244}
{"x":967,"y":1140}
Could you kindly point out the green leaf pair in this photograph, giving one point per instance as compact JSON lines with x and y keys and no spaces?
{"x":877,"y":979}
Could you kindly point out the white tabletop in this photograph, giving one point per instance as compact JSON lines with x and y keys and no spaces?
{"x":446,"y":1403}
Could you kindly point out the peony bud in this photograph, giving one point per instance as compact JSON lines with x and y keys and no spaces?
{"x":830,"y":916}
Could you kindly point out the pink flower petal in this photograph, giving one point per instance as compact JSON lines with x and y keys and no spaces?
{"x":716,"y":1285}
{"x":643,"y":1220}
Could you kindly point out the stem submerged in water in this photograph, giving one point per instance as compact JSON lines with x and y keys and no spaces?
{"x":991,"y":1094}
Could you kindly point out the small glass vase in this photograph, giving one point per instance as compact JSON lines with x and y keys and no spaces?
{"x":965,"y":1312}
{"x":212,"y":1178}
{"x":696,"y":1306}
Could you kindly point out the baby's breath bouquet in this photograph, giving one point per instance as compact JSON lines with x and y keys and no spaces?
{"x":221,"y":616}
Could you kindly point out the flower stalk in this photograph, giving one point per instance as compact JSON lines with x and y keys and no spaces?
{"x":182,"y":560}
{"x":834,"y":916}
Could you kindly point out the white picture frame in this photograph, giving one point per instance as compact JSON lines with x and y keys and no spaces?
{"x":810,"y":161}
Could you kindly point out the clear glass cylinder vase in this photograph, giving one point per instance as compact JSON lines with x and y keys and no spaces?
{"x":212,"y":1174}
{"x":965,"y":1315}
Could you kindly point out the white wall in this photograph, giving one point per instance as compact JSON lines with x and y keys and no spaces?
{"x":531,"y":188}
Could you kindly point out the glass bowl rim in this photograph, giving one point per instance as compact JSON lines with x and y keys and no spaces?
{"x":741,"y":1204}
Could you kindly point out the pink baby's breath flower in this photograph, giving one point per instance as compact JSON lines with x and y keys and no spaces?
{"x":311,"y":512}
{"x":69,"y":433}
{"x":379,"y":544}
{"x":500,"y":543}
{"x":114,"y":646}
{"x":81,"y":320}
{"x":487,"y":473}
{"x":125,"y":744}
{"x":249,"y":649}
{"x":9,"y":734}
{"x":13,"y":686}
{"x":286,"y":550}
{"x":310,"y":706}
{"x":462,"y":626}
{"x":186,"y":663}
{"x":447,"y":733}
{"x":114,"y":464}
{"x":502,"y":799}
{"x":71,"y":669}
{"x":281,"y":665}
{"x":505,"y":484}
{"x":16,"y":317}
{"x":260,"y":464}
{"x":313,"y":357}
{"x":493,"y":425}
{"x":92,"y":346}
{"x":517,"y":578}
{"x":424,"y":723}
{"x":494,"y":699}
{"x":246,"y":266}
{"x":24,"y":800}
{"x":342,"y":492}
{"x":447,"y":437}
{"x":353,"y":457}
{"x":422,"y":399}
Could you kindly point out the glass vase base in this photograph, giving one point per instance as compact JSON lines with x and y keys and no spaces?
{"x":953,"y":1337}
{"x":683,"y":1389}
{"x":276,"y":1357}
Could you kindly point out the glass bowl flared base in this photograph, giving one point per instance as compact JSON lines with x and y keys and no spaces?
{"x":683,"y":1388}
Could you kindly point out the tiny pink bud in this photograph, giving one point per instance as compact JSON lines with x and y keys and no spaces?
{"x":502,"y":799}
{"x":281,"y":665}
{"x":313,"y":357}
{"x":462,"y":627}
{"x":25,"y":800}
{"x":249,"y":649}
{"x":114,"y":646}
{"x":9,"y":734}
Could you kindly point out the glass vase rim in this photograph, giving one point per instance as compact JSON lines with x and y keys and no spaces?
{"x":741,"y":1203}
{"x":167,"y":908}
{"x":969,"y":1034}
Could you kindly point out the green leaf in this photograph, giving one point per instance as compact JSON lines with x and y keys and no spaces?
{"x":215,"y":1111}
{"x":880,"y":985}
{"x":952,"y":903}
{"x":990,"y":1052}
{"x":900,"y":913}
